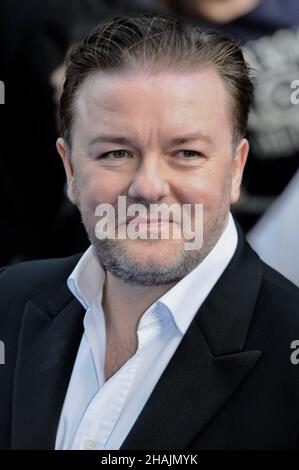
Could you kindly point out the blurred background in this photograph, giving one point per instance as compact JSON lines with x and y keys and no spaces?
{"x":38,"y":221}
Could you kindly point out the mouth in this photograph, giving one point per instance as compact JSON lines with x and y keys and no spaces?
{"x":148,"y":221}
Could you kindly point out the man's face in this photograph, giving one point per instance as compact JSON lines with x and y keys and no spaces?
{"x":150,"y":112}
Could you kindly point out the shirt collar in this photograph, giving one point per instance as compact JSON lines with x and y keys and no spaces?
{"x":182,"y":301}
{"x":87,"y":279}
{"x":184,"y":298}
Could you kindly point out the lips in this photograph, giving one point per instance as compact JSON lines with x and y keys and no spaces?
{"x":148,"y":221}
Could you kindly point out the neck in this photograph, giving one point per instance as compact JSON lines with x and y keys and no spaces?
{"x":124,"y":304}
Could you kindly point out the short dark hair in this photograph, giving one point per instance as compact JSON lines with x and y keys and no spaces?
{"x":156,"y":43}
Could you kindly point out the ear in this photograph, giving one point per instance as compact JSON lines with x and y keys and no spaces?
{"x":238,"y":165}
{"x":64,"y":152}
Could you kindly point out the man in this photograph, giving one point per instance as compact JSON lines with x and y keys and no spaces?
{"x":143,"y":342}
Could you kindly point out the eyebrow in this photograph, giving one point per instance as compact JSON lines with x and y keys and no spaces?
{"x":176,"y":141}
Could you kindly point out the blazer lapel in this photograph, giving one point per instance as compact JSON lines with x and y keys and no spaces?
{"x":209,"y":364}
{"x":47,"y":349}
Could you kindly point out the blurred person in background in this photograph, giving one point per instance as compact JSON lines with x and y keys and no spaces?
{"x":275,"y":237}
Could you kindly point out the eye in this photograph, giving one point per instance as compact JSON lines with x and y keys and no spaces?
{"x":190,"y":154}
{"x":113,"y":154}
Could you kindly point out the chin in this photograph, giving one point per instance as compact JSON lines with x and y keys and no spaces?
{"x":163,"y":252}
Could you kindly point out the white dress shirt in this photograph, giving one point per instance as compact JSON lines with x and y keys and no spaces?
{"x":98,"y":414}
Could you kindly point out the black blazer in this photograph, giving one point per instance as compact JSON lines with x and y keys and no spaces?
{"x":229,"y":385}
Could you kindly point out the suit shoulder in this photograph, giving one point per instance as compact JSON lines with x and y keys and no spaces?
{"x":31,"y":279}
{"x":39,"y":282}
{"x":278,"y":301}
{"x":39,"y":268}
{"x":279,"y":285}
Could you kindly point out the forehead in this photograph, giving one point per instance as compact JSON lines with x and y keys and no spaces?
{"x":166,"y":102}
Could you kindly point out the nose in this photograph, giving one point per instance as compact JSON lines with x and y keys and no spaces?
{"x":150,"y":181}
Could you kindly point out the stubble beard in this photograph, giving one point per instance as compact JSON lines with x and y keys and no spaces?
{"x":113,"y":254}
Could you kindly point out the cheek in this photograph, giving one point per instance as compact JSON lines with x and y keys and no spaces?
{"x":97,"y":187}
{"x":204,"y":188}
